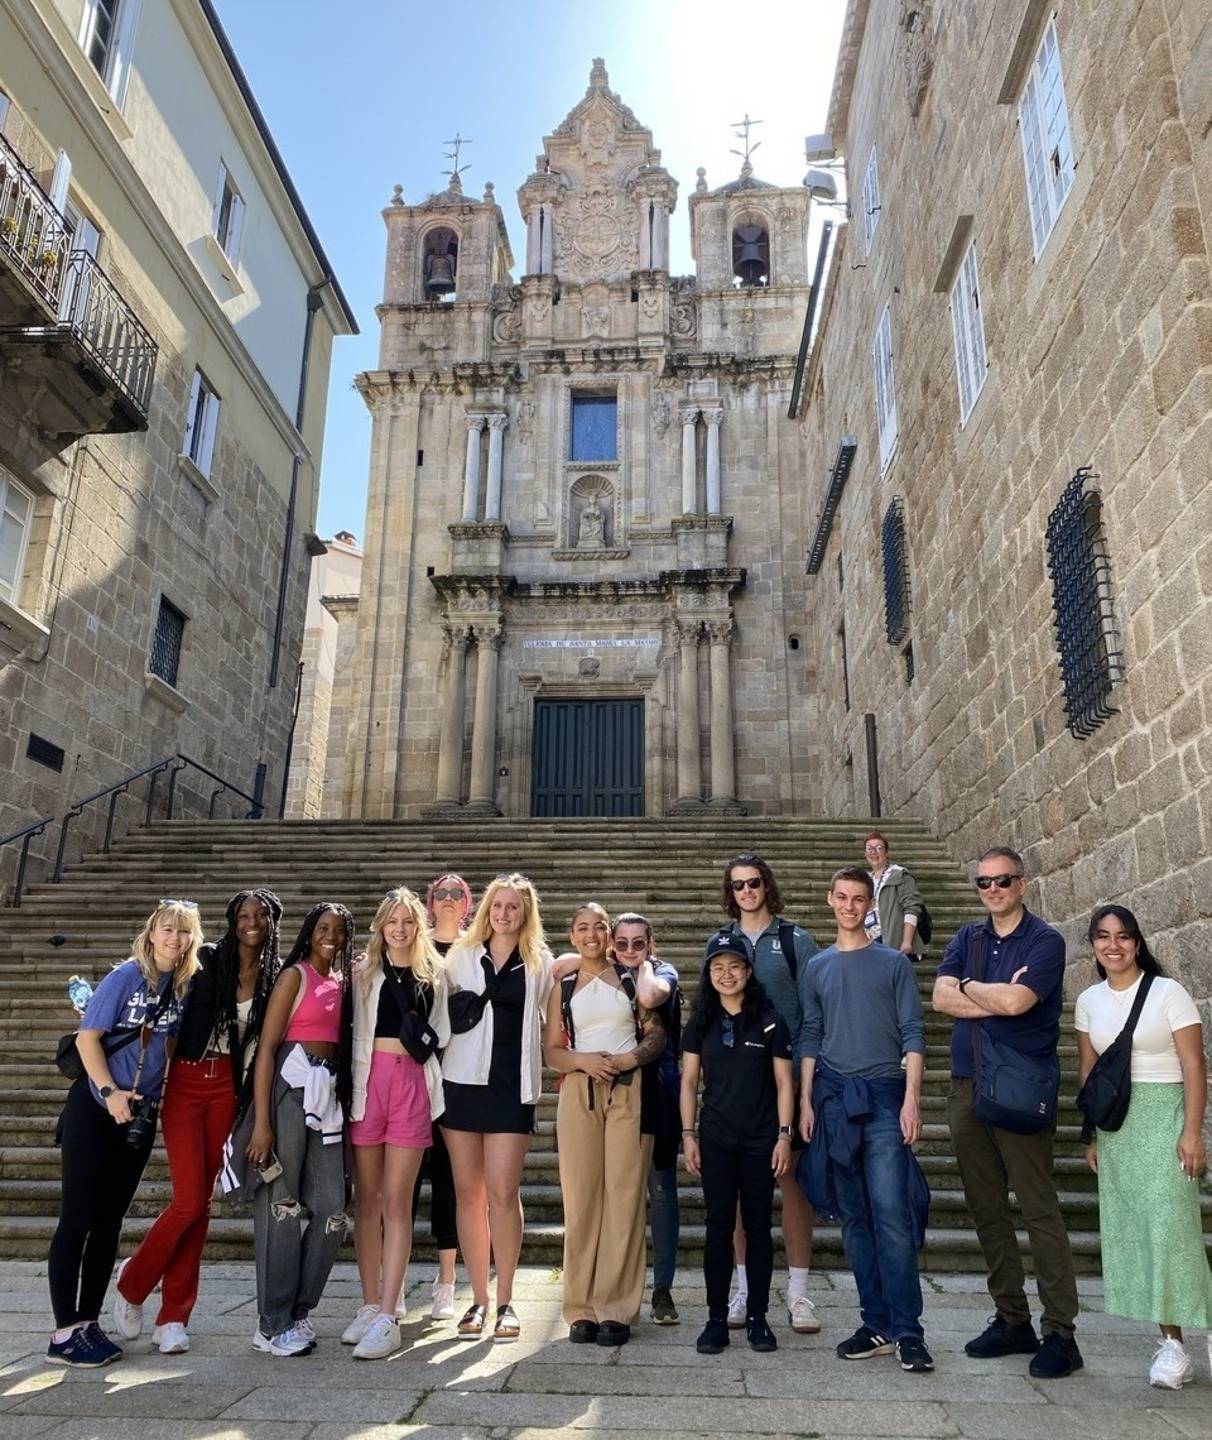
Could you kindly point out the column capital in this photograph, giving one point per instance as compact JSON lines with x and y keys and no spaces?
{"x":490,"y":634}
{"x":689,"y":414}
{"x":687,"y":632}
{"x":719,"y":630}
{"x":496,"y":421}
{"x":713,"y":415}
{"x":475,"y":420}
{"x":456,"y":636}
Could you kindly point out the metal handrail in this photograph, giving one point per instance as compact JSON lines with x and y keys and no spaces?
{"x":32,"y":231}
{"x":174,"y":764}
{"x":95,"y":311}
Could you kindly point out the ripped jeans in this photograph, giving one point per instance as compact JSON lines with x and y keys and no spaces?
{"x":292,"y":1264}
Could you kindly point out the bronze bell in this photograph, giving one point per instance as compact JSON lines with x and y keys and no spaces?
{"x":440,"y":280}
{"x":749,"y":249}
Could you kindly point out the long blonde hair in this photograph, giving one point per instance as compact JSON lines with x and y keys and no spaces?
{"x":189,"y":964}
{"x":423,"y":960}
{"x":532,"y":943}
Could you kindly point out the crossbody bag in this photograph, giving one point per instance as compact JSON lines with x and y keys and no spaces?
{"x":1010,"y":1090}
{"x":1104,"y":1098}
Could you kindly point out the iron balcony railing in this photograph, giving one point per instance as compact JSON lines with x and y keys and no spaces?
{"x":116,"y":340}
{"x":32,"y":232}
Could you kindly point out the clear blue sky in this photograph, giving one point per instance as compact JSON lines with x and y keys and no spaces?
{"x":361,"y":94}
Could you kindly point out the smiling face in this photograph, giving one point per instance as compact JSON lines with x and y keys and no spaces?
{"x":876,"y":852}
{"x":1003,"y":894}
{"x":1115,"y":949}
{"x":253,"y":922}
{"x":632,"y":943}
{"x":400,"y":929}
{"x":170,"y":939}
{"x":748,"y":888}
{"x":729,"y":974}
{"x":590,"y":934}
{"x":849,"y":900}
{"x":327,"y":939}
{"x":506,"y":913}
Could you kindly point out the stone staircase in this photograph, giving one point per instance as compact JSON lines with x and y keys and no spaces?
{"x":667,"y":869}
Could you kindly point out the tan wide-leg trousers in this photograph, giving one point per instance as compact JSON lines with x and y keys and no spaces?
{"x":603,"y":1175}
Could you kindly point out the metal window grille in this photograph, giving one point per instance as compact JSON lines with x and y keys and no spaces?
{"x":896,"y":573}
{"x":166,"y":645}
{"x":1086,"y":637}
{"x":44,"y":752}
{"x":910,"y":668}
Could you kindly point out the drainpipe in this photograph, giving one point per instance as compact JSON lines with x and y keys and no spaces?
{"x":290,"y":743}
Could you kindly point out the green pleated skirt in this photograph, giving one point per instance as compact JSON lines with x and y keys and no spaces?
{"x":1154,"y":1263}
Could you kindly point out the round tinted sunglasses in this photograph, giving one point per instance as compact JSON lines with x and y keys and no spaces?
{"x":452,"y":894}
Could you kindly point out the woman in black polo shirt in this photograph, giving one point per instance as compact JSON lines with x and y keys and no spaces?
{"x":742,"y":1047}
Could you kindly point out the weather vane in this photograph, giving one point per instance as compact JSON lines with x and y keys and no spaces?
{"x":453,"y":155}
{"x":742,"y":128}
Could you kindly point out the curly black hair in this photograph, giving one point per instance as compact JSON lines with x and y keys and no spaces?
{"x":225,"y":956}
{"x":301,"y":950}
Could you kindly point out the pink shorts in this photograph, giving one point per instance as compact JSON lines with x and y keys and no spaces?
{"x":397,"y":1104}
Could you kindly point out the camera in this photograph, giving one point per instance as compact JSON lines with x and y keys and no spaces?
{"x":142,"y":1129}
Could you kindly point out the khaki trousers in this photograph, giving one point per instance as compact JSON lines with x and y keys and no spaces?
{"x":603,"y":1175}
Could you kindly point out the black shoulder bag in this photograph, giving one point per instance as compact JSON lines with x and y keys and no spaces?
{"x":417,"y":1035}
{"x":1011,"y":1090}
{"x":67,"y":1057}
{"x":1104,"y":1098}
{"x":466,"y":1007}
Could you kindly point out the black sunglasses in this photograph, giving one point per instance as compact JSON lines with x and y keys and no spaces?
{"x":752,"y":882}
{"x":1003,"y":882}
{"x":455,"y":894}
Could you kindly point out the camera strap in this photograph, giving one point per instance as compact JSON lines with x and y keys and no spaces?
{"x":148,"y":1029}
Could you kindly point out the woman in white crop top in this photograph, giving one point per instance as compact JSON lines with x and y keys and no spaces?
{"x":598,"y":1036}
{"x":1154,"y":1263}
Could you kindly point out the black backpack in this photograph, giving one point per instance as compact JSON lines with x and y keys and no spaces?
{"x":925,"y":925}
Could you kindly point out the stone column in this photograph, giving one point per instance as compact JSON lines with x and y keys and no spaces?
{"x":450,"y":743}
{"x":689,"y":460}
{"x":534,"y":262}
{"x":481,"y":796}
{"x":723,"y":764}
{"x":496,"y":443}
{"x":690,"y":777}
{"x":713,"y":419}
{"x":471,"y":470}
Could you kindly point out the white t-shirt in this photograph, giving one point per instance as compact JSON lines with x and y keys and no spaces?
{"x":1102,"y":1013}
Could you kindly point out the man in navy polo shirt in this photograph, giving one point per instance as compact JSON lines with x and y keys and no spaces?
{"x":1017,"y":1002}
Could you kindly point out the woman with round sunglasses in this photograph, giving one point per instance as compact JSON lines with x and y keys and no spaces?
{"x":740,"y":1047}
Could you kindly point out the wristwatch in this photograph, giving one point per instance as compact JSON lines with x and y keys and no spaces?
{"x":786,"y":1130}
{"x":106,"y":1091}
{"x":964,"y":982}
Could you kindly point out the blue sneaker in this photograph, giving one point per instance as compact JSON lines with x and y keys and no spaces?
{"x":86,"y":1348}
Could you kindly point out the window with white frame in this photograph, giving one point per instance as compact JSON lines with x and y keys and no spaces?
{"x":968,"y":325}
{"x":227,"y":216}
{"x":107,"y":37}
{"x":203,"y":423}
{"x":871,"y":199}
{"x":885,"y":390}
{"x":16,"y":521}
{"x":4,"y":104}
{"x":1043,"y":123}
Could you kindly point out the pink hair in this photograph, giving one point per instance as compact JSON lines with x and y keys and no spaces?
{"x":437,"y":884}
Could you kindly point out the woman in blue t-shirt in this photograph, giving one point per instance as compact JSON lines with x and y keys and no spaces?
{"x":109,"y":1122}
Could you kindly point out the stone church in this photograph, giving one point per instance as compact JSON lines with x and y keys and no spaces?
{"x":583,"y":589}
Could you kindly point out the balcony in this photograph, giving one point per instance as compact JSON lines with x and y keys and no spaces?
{"x":33,"y":246}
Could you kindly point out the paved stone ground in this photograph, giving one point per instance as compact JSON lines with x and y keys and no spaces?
{"x":446,"y":1389}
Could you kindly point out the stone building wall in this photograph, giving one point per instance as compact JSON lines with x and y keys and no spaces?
{"x":1100,"y":355}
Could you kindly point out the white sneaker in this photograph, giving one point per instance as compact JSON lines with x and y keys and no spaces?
{"x":443,"y":1302}
{"x":359,"y":1325}
{"x":401,"y":1308}
{"x":288,"y":1342}
{"x":307,"y":1330}
{"x":802,"y":1314}
{"x":173,"y":1338}
{"x":382,"y":1339}
{"x":128,"y":1318}
{"x":738,"y":1308}
{"x":1172,"y":1368}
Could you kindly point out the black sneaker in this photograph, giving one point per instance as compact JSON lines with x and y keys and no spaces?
{"x":613,"y":1332}
{"x":761,"y":1336}
{"x":88,"y":1347}
{"x":863,"y":1344}
{"x":1057,"y":1357}
{"x":583,"y":1332}
{"x":913,"y":1355}
{"x":1003,"y":1338}
{"x":664,"y":1311}
{"x":714,"y":1338}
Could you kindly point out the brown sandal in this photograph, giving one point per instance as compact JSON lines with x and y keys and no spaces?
{"x":508,"y":1327}
{"x":471,"y":1327}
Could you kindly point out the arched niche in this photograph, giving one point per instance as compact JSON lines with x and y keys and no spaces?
{"x":439,"y":263}
{"x":591,"y":513}
{"x":751,"y":254}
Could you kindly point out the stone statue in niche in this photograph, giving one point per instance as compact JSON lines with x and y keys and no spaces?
{"x":592,"y":532}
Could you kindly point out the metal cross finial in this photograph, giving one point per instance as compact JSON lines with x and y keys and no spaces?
{"x":742,"y":128}
{"x":453,"y":155}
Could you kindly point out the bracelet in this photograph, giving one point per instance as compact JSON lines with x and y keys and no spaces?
{"x":687,"y":1132}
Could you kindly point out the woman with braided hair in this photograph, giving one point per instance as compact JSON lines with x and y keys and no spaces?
{"x":302,"y":1088}
{"x":222,"y":1022}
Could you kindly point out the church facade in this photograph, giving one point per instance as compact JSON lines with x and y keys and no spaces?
{"x":583,"y":588}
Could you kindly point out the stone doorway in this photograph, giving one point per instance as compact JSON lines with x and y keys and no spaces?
{"x":588,"y":758}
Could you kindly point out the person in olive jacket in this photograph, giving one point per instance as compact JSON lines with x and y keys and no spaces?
{"x":896,"y":907}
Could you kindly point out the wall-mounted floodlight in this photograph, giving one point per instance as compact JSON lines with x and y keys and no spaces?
{"x":818,"y":148}
{"x":821,"y":185}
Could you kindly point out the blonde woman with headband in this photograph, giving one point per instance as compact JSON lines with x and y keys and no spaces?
{"x":498,"y":980}
{"x":397,"y":1095}
{"x":109,"y":1122}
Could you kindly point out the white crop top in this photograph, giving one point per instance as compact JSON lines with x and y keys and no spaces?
{"x":1102,"y":1013}
{"x":243,"y":1013}
{"x":602,"y":1018}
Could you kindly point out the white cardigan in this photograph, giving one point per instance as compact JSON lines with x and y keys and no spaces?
{"x":468,"y":1057}
{"x":366,"y":1012}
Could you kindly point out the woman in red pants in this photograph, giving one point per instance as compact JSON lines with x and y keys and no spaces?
{"x":213,"y":1055}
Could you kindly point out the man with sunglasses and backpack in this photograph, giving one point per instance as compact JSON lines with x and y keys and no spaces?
{"x":1002,"y":979}
{"x":777,"y":949}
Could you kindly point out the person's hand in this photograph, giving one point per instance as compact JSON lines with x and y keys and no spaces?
{"x":624,"y":1061}
{"x":117,"y":1102}
{"x":1192,"y":1155}
{"x":807,"y":1119}
{"x":599,"y":1065}
{"x":780,"y":1160}
{"x":690,"y":1155}
{"x":1092,"y":1155}
{"x":260,"y":1144}
{"x":911,"y":1120}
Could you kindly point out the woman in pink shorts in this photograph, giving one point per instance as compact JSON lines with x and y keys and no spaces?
{"x":397,"y":1094}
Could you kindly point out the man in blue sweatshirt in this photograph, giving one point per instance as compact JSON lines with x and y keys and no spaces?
{"x":861,"y":1112}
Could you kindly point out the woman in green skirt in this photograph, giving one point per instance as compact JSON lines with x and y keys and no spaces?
{"x":1155,"y":1266}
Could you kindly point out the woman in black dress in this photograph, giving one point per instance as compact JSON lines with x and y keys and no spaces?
{"x":498,"y":981}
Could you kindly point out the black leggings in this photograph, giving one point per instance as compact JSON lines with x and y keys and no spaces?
{"x":436,"y":1165}
{"x":731,"y":1173}
{"x":101,"y":1173}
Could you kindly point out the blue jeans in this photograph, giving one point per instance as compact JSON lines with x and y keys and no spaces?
{"x":876,"y":1230}
{"x":663,"y":1217}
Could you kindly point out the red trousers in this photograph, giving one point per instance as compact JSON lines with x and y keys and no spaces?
{"x":199,"y":1108}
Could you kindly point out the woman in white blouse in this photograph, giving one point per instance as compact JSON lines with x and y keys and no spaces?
{"x":1154,"y":1263}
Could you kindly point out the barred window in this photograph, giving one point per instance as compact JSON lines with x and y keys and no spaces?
{"x":1084,"y":616}
{"x":165,"y":658}
{"x":896,"y":573}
